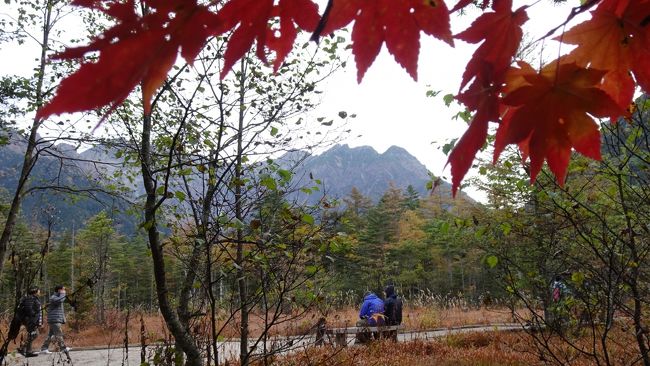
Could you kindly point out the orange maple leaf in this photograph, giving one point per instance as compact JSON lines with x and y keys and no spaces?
{"x":615,"y":39}
{"x":395,"y":22}
{"x":550,"y":113}
{"x":138,"y":49}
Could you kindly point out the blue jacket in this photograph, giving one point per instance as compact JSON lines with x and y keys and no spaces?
{"x":371,"y":305}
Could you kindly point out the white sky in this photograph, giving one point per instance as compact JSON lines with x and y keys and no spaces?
{"x":391,"y":108}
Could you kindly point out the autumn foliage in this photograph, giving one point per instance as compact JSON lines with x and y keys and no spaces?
{"x":548,"y":113}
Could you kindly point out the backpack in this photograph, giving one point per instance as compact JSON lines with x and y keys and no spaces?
{"x":557,"y":292}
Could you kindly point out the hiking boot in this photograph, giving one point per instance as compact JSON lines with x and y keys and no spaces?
{"x":31,"y":354}
{"x":45,"y":351}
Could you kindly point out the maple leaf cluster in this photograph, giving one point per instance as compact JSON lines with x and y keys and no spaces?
{"x":548,"y":113}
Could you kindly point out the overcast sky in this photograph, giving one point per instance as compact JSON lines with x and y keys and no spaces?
{"x":392,"y":109}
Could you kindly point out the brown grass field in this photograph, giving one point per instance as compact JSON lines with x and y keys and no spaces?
{"x":481,"y":348}
{"x":112,"y":332}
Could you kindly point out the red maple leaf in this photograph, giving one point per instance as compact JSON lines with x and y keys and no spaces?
{"x":137,"y":50}
{"x":395,"y":22}
{"x":550,"y":114}
{"x":616,"y":39}
{"x":252,"y":17}
{"x":500,"y":31}
{"x":483,"y":97}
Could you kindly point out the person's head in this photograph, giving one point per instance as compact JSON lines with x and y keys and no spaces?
{"x":60,"y":289}
{"x":558,"y":278}
{"x":389,"y":290}
{"x":33,"y":291}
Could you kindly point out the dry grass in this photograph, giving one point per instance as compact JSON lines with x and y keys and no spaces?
{"x":112,"y":331}
{"x":480,"y":348}
{"x":467,"y":349}
{"x":424,"y":318}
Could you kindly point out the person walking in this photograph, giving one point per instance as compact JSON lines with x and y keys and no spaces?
{"x":55,"y":320}
{"x":30,"y":315}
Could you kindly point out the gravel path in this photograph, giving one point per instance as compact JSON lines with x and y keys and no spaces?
{"x":116,"y":356}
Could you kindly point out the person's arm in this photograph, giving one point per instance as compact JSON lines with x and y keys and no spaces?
{"x":57,"y":298}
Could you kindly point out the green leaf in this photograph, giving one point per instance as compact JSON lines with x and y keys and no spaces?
{"x":285,"y":174}
{"x":444,"y":228}
{"x":505,"y":228}
{"x":343,"y":114}
{"x":492,"y":261}
{"x":180,"y":195}
{"x":309,"y":219}
{"x":268,"y":182}
{"x":446,"y":148}
{"x":146,"y":225}
{"x":274,"y":131}
{"x":578,"y":278}
{"x":432,"y":93}
{"x":448,"y":98}
{"x":311,"y":269}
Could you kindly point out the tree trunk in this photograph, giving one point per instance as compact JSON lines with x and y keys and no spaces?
{"x":31,"y":156}
{"x":241,"y":275}
{"x":181,"y":335}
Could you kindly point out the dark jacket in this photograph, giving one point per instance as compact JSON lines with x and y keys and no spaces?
{"x":55,"y":313}
{"x":29,"y":310}
{"x":392,"y":307}
{"x":371,"y":305}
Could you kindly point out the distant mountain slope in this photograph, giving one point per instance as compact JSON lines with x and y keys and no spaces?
{"x":65,"y":207}
{"x":339,"y":169}
{"x":342,"y":167}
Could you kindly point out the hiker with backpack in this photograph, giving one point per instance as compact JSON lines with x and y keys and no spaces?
{"x":55,"y":320}
{"x":30,"y":315}
{"x":559,"y":313}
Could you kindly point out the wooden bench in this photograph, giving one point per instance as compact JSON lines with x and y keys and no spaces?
{"x":384,"y":331}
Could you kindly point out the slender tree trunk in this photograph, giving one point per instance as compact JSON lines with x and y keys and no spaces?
{"x":181,"y":335}
{"x":640,"y":330}
{"x":31,"y":156}
{"x":241,"y":275}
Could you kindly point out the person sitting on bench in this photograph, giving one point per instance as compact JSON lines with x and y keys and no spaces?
{"x":370,"y":315}
{"x":392,"y":306}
